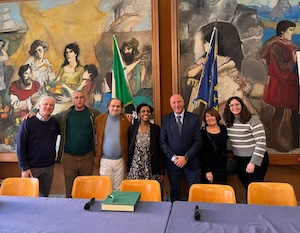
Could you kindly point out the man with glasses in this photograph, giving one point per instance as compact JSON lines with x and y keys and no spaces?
{"x":112,"y":142}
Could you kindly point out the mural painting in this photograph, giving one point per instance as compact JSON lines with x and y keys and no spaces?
{"x":55,"y":47}
{"x":257,"y":44}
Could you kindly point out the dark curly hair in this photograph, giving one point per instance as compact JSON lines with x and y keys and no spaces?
{"x":228,"y":116}
{"x":139,"y":107}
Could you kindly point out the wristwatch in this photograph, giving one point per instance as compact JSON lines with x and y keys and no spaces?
{"x":186,"y":158}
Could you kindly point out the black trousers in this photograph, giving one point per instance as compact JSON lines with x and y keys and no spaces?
{"x":258,"y":174}
{"x":175,"y":179}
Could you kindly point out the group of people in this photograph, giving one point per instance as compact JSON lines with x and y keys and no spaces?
{"x":108,"y":139}
{"x":200,"y":154}
{"x":247,"y":136}
{"x":141,"y":150}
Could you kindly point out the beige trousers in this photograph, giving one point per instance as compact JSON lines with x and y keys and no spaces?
{"x":115,"y":169}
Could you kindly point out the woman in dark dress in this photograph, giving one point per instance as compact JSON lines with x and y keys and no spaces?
{"x":214,"y":149}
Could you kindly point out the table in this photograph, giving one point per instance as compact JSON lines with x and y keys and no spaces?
{"x":233,"y":218}
{"x":59,"y":215}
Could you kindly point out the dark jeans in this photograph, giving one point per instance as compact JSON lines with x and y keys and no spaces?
{"x":175,"y":179}
{"x":258,"y":174}
{"x":45,"y":176}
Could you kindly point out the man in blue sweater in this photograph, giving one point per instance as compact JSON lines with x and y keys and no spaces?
{"x":36,"y":143}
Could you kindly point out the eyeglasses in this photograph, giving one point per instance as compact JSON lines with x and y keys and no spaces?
{"x":234,"y":105}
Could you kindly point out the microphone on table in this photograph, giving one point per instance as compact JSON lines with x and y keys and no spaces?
{"x":87,"y":206}
{"x":197,"y":213}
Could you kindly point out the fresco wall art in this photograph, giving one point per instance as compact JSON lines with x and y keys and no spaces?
{"x":257,"y":46}
{"x":55,"y":47}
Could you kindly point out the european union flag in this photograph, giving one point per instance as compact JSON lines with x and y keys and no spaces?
{"x":208,"y":90}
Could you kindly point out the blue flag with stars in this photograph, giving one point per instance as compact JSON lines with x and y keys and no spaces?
{"x":208,"y":90}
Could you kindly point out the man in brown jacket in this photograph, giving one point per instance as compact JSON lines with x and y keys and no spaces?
{"x":112,"y":142}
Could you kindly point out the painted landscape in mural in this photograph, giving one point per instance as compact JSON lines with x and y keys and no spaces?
{"x":257,"y":44}
{"x":55,"y":47}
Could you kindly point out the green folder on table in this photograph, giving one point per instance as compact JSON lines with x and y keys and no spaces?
{"x":121,"y":201}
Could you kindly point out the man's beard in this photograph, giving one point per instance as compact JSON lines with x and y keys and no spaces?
{"x":128,"y":57}
{"x":26,"y":83}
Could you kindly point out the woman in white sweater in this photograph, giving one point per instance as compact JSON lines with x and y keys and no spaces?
{"x":248,"y":139}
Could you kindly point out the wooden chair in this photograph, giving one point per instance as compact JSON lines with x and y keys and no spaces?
{"x":17,"y":186}
{"x":149,"y":189}
{"x":271,"y":193}
{"x":98,"y":187}
{"x":216,"y":193}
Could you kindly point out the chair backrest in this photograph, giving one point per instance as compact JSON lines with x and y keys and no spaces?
{"x":98,"y":187}
{"x":216,"y":193}
{"x":149,"y":189}
{"x":17,"y":186}
{"x":271,"y":193}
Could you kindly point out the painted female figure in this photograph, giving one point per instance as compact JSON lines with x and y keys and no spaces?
{"x":69,"y":77}
{"x":71,"y":71}
{"x":42,"y":70}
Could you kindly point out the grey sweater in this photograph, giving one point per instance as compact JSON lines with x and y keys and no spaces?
{"x":248,"y":140}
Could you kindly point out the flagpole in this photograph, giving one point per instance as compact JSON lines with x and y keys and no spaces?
{"x":203,"y":69}
{"x":215,"y":57}
{"x":124,"y":68}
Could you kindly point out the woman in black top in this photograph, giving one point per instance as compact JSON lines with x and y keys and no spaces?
{"x":145,"y":158}
{"x":213,"y":150}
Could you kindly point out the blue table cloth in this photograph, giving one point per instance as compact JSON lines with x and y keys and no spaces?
{"x":37,"y":215}
{"x":233,"y":218}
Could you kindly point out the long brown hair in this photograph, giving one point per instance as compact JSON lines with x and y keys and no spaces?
{"x":228,"y":116}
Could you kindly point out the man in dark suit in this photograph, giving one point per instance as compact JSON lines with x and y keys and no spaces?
{"x":180,"y":140}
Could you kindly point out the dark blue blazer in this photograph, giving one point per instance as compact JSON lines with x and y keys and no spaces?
{"x":189,"y":143}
